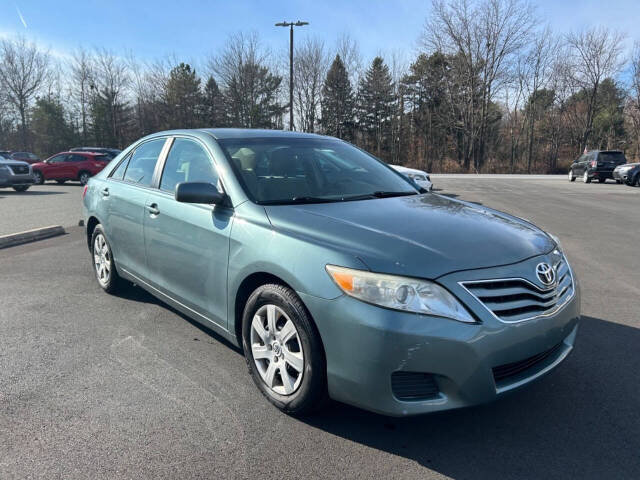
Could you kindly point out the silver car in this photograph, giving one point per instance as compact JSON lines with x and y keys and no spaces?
{"x":15,"y":174}
{"x":421,"y":178}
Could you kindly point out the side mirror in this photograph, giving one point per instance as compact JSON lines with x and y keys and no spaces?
{"x":198,"y":192}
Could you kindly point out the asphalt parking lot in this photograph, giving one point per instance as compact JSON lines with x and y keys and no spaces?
{"x":40,"y":206}
{"x":97,"y":386}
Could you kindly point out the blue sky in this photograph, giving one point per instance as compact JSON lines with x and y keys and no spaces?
{"x":193,"y":29}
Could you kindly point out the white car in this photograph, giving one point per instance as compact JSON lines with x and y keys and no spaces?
{"x":418,"y":176}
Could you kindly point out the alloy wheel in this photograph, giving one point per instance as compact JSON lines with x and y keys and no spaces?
{"x":102,"y":260}
{"x":84,"y":178}
{"x":585,"y":177}
{"x":277,"y":349}
{"x":37,"y":176}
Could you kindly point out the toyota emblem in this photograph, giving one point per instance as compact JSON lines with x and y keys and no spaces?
{"x":546,"y":273}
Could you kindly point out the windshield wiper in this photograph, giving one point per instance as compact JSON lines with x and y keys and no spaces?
{"x":302,"y":199}
{"x":381,"y":194}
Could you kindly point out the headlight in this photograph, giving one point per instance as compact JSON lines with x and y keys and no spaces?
{"x":399,"y":293}
{"x":557,"y":240}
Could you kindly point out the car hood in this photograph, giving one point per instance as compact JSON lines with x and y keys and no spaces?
{"x":12,"y":162}
{"x":423,"y":236}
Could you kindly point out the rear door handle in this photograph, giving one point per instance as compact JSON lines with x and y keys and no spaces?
{"x":105,"y":192}
{"x":153,"y":209}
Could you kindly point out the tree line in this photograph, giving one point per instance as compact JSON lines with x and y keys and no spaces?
{"x":490,"y":89}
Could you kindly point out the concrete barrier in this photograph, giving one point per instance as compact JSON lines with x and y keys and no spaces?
{"x":30,"y":236}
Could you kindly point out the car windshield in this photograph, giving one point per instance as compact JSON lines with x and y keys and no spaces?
{"x":310,"y":170}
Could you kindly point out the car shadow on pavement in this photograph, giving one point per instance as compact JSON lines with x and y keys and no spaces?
{"x":137,"y":294}
{"x":31,"y":193}
{"x":581,"y":421}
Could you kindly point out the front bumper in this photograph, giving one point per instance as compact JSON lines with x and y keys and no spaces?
{"x":621,"y":175}
{"x":14,"y":180}
{"x":366,"y":344}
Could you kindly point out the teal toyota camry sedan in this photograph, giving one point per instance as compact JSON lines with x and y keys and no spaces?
{"x":337,"y":276}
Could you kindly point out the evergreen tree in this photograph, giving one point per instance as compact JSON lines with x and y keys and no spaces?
{"x":376,"y":103}
{"x":51,"y":131}
{"x":213,"y":104}
{"x":337,"y":102}
{"x":183,"y":97}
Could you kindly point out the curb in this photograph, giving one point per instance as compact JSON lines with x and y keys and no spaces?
{"x":30,"y":236}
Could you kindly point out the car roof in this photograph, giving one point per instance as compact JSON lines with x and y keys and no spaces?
{"x":605,"y":151}
{"x":80,"y":152}
{"x":225,"y":133}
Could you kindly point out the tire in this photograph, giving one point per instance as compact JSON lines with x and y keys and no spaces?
{"x":306,"y":388}
{"x":637,"y":182}
{"x":38,"y":177}
{"x":572,"y":177}
{"x":60,"y":182}
{"x":21,"y":188}
{"x":83,"y":177}
{"x":109,"y":280}
{"x":585,"y":177}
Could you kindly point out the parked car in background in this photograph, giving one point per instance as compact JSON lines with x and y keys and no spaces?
{"x":65,"y":166}
{"x":5,"y":153}
{"x":628,"y":173}
{"x":596,"y":165}
{"x":109,"y":152}
{"x":335,"y":274}
{"x":418,"y":176}
{"x":25,"y":157}
{"x":15,"y":174}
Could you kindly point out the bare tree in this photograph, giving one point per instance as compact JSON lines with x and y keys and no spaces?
{"x":633,"y":106}
{"x":311,"y":62}
{"x":109,"y":89}
{"x":537,"y":72}
{"x":349,"y":52}
{"x":485,"y":37}
{"x":595,"y":54}
{"x":23,"y":71}
{"x":82,"y":73}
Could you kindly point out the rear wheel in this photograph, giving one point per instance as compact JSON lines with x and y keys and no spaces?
{"x":283,"y":350}
{"x":585,"y":178}
{"x":38,"y":178}
{"x":103,"y":264}
{"x":84,"y":177}
{"x":572,"y":177}
{"x":21,"y":188}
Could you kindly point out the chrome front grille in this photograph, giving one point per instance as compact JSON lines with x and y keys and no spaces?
{"x":19,"y":169}
{"x":517,"y":299}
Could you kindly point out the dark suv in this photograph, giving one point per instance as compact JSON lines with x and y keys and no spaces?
{"x":596,"y":165}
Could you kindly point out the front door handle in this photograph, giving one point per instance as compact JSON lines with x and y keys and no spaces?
{"x":153,"y":209}
{"x":105,"y":192}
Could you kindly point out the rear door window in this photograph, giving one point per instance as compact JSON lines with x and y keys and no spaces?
{"x":143,"y":162}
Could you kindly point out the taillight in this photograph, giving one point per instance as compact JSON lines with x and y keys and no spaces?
{"x":594,"y":163}
{"x":84,"y":191}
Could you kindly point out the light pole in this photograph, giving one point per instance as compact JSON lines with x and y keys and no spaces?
{"x":291,"y":25}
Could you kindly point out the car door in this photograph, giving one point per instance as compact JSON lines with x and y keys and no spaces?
{"x":578,"y":166}
{"x":56,"y":167}
{"x":187,"y":245}
{"x":125,"y":193}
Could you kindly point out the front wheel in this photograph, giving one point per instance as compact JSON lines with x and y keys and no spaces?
{"x":38,"y":178}
{"x":21,"y":188}
{"x":103,"y":264}
{"x":585,"y":178}
{"x":283,"y":350}
{"x":572,"y":177}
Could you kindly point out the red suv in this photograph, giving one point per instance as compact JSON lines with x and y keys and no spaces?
{"x":69,"y":166}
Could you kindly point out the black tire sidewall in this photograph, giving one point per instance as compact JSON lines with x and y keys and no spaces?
{"x":312,"y":390}
{"x":113,"y":283}
{"x":21,"y":188}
